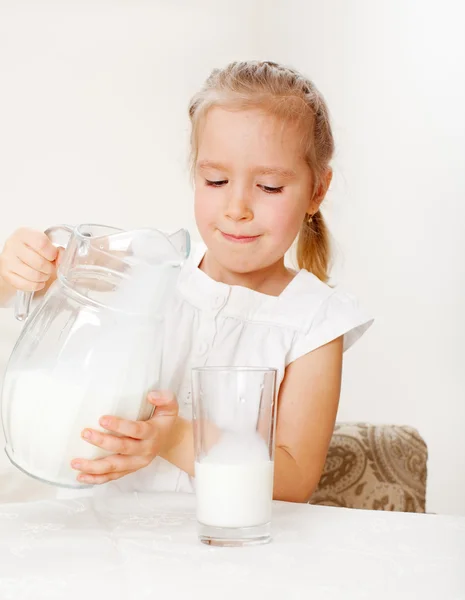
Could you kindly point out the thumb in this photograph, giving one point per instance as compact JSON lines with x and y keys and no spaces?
{"x":165,"y":403}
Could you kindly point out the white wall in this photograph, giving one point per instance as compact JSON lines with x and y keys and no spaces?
{"x":93,"y":128}
{"x":394,"y":77}
{"x":93,"y":109}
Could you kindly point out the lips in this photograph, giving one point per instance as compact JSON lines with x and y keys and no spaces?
{"x":239,"y":239}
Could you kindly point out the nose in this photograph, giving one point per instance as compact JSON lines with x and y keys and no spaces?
{"x":238,"y":206}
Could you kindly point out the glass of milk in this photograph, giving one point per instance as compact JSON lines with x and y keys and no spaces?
{"x":234,"y":416}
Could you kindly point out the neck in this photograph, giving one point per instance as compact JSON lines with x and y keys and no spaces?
{"x":270,"y":280}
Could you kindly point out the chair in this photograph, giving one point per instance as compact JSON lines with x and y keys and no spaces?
{"x":377,"y":467}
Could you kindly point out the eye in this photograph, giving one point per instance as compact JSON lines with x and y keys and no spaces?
{"x":271,"y":190}
{"x":216,"y":183}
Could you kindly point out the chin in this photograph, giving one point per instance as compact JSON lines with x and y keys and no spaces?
{"x":242,"y":262}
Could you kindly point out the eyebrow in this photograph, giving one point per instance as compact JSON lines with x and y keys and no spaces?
{"x":286,"y":173}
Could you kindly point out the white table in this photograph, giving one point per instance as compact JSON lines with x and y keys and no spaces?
{"x":144,"y":546}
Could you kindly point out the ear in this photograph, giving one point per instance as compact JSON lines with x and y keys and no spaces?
{"x":320,"y":192}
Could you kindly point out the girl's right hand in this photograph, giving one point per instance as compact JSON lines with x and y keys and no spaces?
{"x":28,"y":261}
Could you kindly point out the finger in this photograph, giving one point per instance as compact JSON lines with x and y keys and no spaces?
{"x":116,"y":463}
{"x":21,"y":284}
{"x":139,"y":430}
{"x":112,"y":443}
{"x":34,"y":260}
{"x":38,"y":241}
{"x":98,"y":479}
{"x":165,"y":403}
{"x":18,"y":267}
{"x":59,"y":257}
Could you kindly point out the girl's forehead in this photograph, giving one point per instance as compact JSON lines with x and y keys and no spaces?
{"x":246,"y":119}
{"x":246,"y":132}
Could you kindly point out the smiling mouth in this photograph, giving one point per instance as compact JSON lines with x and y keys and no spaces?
{"x":239,"y":239}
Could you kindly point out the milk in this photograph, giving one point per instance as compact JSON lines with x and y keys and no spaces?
{"x":234,"y":495}
{"x":234,"y":482}
{"x":47,"y":417}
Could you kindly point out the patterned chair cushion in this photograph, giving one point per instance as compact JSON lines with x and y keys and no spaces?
{"x":377,"y":467}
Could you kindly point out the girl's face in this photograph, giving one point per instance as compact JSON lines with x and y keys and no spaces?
{"x":252,"y":188}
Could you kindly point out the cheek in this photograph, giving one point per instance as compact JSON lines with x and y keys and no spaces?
{"x":203,"y":208}
{"x":284,"y":219}
{"x":205,"y":211}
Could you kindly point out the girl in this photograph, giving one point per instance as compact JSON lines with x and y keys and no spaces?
{"x":261,"y":148}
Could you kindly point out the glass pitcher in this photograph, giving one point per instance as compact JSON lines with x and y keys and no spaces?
{"x":92,"y":347}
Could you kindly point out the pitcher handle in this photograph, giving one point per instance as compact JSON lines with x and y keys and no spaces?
{"x":24,"y":299}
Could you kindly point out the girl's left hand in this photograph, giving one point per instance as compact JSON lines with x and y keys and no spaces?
{"x":135,"y":446}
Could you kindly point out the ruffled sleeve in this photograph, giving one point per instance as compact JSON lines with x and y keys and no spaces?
{"x":339,"y":314}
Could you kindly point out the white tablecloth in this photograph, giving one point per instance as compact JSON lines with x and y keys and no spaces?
{"x":145,"y":546}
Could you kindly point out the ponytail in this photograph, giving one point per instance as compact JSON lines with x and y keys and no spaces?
{"x":314,"y":247}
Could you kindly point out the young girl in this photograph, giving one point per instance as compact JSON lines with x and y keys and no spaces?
{"x":261,"y":150}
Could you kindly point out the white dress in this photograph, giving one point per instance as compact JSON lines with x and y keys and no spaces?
{"x":214,"y":324}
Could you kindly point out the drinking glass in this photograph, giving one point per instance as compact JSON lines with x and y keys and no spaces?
{"x":234,"y":416}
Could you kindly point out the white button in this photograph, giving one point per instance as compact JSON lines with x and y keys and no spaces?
{"x":218,"y":302}
{"x":184,"y":393}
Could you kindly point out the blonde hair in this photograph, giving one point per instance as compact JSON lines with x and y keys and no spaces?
{"x":285,"y":93}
